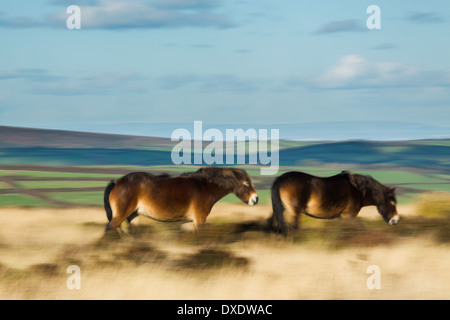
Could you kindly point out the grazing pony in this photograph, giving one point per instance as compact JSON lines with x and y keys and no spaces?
{"x":342,"y":195}
{"x":188,"y":197}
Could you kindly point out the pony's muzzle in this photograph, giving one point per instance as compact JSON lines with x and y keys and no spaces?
{"x":253,"y":200}
{"x":394,"y":220}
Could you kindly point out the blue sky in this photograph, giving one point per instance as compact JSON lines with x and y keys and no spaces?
{"x":148,"y":66}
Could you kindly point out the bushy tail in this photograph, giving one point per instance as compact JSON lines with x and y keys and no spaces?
{"x":108,"y":209}
{"x":278,"y":208}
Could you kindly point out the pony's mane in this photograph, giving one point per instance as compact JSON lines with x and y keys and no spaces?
{"x":223,"y":177}
{"x":163,"y":175}
{"x":366,"y":185}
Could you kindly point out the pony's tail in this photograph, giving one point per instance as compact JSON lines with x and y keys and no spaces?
{"x":278,"y":208}
{"x":108,"y":209}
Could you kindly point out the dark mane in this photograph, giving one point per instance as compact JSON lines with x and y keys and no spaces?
{"x":224,"y":177}
{"x":163,"y":175}
{"x":366,"y":185}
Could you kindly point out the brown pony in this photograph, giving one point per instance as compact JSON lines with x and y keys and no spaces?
{"x":342,"y":195}
{"x":188,"y":197}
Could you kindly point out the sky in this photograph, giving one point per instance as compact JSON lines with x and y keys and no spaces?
{"x":314,"y":70}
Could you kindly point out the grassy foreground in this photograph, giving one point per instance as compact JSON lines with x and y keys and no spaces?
{"x":232,"y":258}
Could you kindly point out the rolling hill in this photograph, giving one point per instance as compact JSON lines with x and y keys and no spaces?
{"x":55,"y":147}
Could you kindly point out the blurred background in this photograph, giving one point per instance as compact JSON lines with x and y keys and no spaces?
{"x":79,"y":108}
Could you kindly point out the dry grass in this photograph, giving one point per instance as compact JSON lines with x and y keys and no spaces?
{"x":232,"y":258}
{"x":434,"y":204}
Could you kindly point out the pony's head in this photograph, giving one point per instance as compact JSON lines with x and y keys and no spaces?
{"x":387,"y":206}
{"x":374,"y":193}
{"x":244,"y":190}
{"x":234,"y":180}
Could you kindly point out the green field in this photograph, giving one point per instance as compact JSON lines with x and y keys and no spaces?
{"x":19,"y":200}
{"x":82,"y":186}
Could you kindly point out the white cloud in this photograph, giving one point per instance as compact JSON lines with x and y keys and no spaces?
{"x":131,"y":14}
{"x":355,"y":71}
{"x":120,"y":14}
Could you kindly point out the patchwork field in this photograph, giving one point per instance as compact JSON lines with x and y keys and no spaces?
{"x":66,"y":186}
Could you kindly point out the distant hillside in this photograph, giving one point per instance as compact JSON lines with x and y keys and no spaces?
{"x":13,"y":137}
{"x":306,"y":131}
{"x":53,"y":147}
{"x":404,"y":153}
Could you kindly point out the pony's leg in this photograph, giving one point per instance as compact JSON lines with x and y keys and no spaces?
{"x":188,"y":227}
{"x":296,"y":216}
{"x":114,"y":224}
{"x":132,"y":216}
{"x":131,"y":222}
{"x":120,"y":214}
{"x":296,"y":221}
{"x":199,"y":220}
{"x":270,"y":223}
{"x":291,"y":215}
{"x":125,"y":228}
